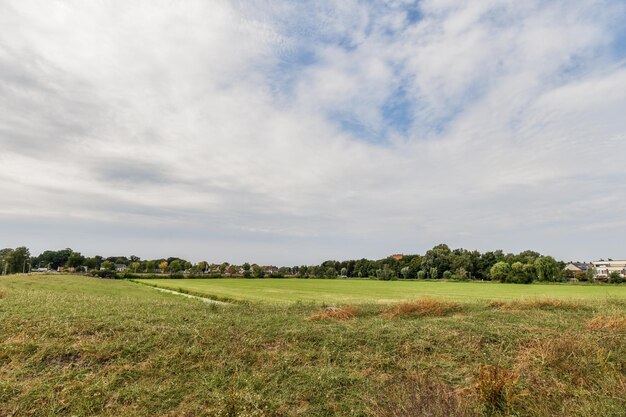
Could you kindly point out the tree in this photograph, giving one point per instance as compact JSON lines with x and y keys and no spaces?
{"x":421,"y":274}
{"x":108,"y":265}
{"x":75,"y":260}
{"x":344,"y":272}
{"x":500,"y":271}
{"x":547,"y":268}
{"x":176,"y":265}
{"x":590,"y":274}
{"x":438,"y":257}
{"x":406,"y":272}
{"x":246,"y":270}
{"x":386,"y":273}
{"x":257,"y":271}
{"x":163,"y":266}
{"x":434,"y":273}
{"x":17,"y":260}
{"x":134,"y":266}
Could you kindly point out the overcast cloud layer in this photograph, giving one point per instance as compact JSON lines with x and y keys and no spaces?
{"x":289,"y":132}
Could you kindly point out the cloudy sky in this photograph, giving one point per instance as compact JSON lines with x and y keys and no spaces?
{"x":289,"y":132}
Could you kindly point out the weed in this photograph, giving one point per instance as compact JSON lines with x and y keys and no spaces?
{"x":496,"y":388}
{"x":422,"y":307}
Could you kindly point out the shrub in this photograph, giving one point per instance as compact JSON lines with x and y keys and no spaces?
{"x":421,"y":274}
{"x":615,"y":278}
{"x":447,"y":275}
{"x":105,"y":273}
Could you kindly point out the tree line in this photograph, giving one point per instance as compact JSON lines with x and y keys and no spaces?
{"x":440,"y":262}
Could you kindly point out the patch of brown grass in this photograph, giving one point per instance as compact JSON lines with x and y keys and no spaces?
{"x":607,"y":323}
{"x":335,"y":313}
{"x":540,"y":303}
{"x":422,"y":307}
{"x":497,"y":387}
{"x":421,"y":396}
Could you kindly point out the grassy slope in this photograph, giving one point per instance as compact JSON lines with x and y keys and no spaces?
{"x":83,"y":346}
{"x":360,"y":291}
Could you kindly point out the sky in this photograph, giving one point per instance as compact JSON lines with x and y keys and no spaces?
{"x":284,"y":132}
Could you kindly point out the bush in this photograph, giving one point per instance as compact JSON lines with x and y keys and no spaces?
{"x":105,"y":273}
{"x":421,"y":275}
{"x":127,"y":275}
{"x":447,"y":275}
{"x":615,"y":278}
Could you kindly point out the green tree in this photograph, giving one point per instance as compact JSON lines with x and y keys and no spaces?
{"x":108,"y":265}
{"x":75,"y":260}
{"x":406,"y":272}
{"x":257,"y":271}
{"x":500,"y":271}
{"x":246,"y":270}
{"x":547,"y":268}
{"x":438,"y":257}
{"x":434,"y":272}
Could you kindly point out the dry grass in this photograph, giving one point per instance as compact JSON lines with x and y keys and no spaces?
{"x":335,"y":313}
{"x":497,"y":388}
{"x":422,"y":307}
{"x":607,"y":323}
{"x":541,"y":303}
{"x":422,"y":396}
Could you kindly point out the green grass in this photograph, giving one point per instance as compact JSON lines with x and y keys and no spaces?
{"x":371,"y":291}
{"x":79,"y":346}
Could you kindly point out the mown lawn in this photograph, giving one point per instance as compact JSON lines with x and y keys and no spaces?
{"x":373,"y":291}
{"x":78,"y":346}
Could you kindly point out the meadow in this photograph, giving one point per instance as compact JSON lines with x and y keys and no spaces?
{"x":80,"y":346}
{"x":348,"y":291}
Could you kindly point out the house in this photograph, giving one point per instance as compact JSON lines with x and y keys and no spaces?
{"x":604,"y":268}
{"x":575,"y":269}
{"x":397,"y":256}
{"x":120,"y":267}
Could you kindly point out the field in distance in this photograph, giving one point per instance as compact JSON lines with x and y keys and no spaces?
{"x":346,"y":291}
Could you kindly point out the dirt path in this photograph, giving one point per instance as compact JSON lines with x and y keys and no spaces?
{"x":206,"y":300}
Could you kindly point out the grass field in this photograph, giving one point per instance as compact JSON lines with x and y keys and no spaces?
{"x":79,"y":346}
{"x":372,"y":291}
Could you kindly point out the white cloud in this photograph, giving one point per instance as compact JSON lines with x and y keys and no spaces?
{"x":178,"y":127}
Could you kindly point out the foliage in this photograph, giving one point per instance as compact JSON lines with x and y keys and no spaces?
{"x":615,"y":278}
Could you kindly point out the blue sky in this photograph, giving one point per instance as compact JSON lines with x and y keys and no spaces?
{"x":286,"y":133}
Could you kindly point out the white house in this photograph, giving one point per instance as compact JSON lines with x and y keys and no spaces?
{"x":604,"y":268}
